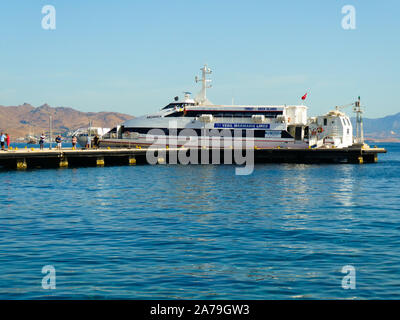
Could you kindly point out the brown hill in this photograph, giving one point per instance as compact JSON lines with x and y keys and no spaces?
{"x":19,"y":121}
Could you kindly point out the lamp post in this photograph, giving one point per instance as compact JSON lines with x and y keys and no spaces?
{"x":51,"y":131}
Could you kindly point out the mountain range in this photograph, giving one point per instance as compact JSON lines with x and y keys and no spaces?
{"x":386,"y":129}
{"x":382,"y":129}
{"x":25,"y":119}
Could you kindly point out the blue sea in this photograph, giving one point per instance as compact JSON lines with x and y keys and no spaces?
{"x":202,"y":232}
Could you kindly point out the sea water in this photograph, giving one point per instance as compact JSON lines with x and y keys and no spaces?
{"x":201,"y":232}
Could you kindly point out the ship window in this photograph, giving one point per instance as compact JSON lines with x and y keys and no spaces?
{"x":306,"y":132}
{"x":325,"y":121}
{"x":285,"y":134}
{"x":171,"y":105}
{"x":259,"y":133}
{"x":230,"y":114}
{"x":213,"y":132}
{"x":298,"y":133}
{"x":175,"y":114}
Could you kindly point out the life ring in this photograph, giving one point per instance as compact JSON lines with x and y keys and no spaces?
{"x":320,"y":130}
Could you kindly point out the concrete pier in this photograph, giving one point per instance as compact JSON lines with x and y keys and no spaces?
{"x":35,"y":158}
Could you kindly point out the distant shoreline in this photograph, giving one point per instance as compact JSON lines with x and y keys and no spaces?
{"x":395,"y":140}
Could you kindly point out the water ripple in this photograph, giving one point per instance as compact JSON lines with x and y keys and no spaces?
{"x":200,"y":232}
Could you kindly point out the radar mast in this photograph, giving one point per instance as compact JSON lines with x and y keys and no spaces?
{"x":201,"y":98}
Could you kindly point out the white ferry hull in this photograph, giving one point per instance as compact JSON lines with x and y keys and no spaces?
{"x":201,"y":142}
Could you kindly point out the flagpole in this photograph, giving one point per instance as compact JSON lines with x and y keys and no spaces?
{"x":303,"y":98}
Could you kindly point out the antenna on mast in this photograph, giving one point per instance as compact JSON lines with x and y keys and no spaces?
{"x":359,"y":122}
{"x":201,"y":98}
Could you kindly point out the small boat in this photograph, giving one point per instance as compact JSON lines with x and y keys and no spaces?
{"x":83,"y":133}
{"x":31,"y":140}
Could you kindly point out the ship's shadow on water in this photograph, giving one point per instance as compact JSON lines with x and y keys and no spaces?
{"x":202,"y":232}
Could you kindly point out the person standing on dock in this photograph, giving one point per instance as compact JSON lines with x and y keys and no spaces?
{"x":88,"y":142}
{"x":58,"y":141}
{"x":41,"y":141}
{"x":8,"y":140}
{"x":74,"y":141}
{"x":96,"y":141}
{"x":2,"y":140}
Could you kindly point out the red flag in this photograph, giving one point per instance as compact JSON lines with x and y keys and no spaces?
{"x":304,"y":97}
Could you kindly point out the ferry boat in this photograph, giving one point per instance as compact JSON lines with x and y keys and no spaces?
{"x":191,"y":122}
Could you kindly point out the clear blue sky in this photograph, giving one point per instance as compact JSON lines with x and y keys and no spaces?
{"x":135,"y":56}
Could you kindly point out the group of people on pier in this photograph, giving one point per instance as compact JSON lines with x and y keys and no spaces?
{"x":90,"y":142}
{"x":74,"y":141}
{"x":4,"y":140}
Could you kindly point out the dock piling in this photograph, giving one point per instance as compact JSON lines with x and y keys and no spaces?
{"x":63,"y":162}
{"x":21,"y":164}
{"x":132,"y":161}
{"x":160,"y":160}
{"x":100,"y":162}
